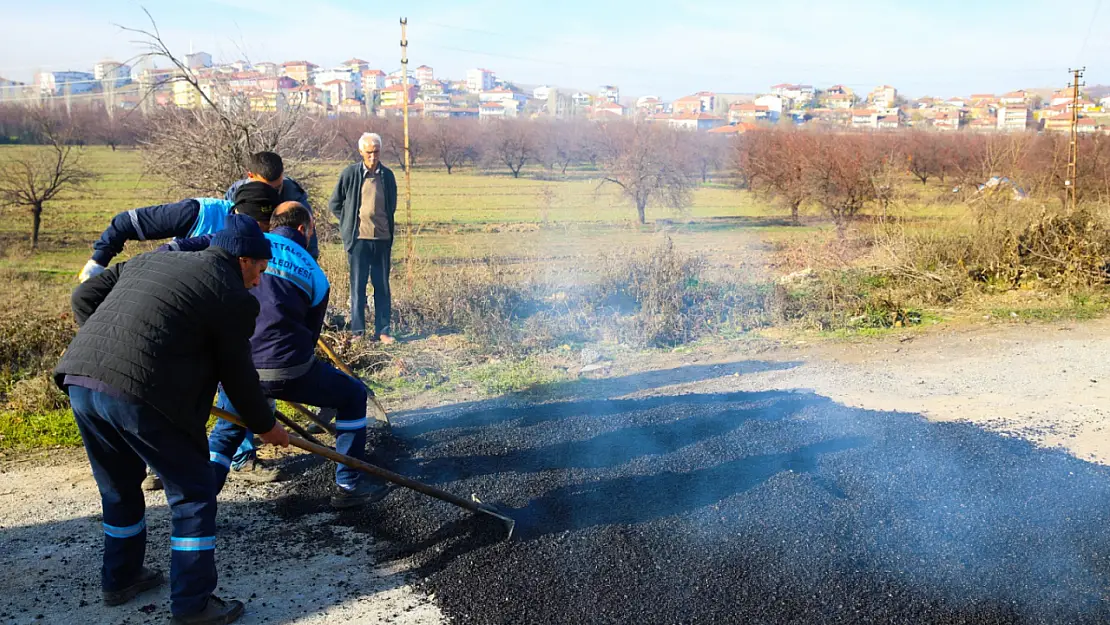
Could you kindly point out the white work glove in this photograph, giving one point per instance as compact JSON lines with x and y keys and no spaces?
{"x":92,"y":268}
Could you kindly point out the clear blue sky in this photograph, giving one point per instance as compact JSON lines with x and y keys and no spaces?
{"x":939,"y":47}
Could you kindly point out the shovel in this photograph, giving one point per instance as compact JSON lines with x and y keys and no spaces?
{"x":387,"y":475}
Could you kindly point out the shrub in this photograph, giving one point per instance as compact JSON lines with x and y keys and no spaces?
{"x":35,"y":328}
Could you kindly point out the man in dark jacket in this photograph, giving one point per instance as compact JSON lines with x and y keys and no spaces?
{"x":293,"y":296}
{"x":193,"y":217}
{"x":365,"y":202}
{"x":267,"y":167}
{"x":157,"y":334}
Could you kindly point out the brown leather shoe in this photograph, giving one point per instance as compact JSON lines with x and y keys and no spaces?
{"x":152,"y":482}
{"x":147,"y":579}
{"x":258,"y":471}
{"x":215,"y":612}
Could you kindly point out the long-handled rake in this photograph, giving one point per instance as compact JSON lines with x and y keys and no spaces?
{"x":381,"y":414}
{"x":387,"y":475}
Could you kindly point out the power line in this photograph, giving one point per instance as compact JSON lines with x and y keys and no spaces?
{"x":1090,"y":28}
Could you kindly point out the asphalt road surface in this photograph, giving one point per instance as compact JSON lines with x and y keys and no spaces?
{"x":739,"y":507}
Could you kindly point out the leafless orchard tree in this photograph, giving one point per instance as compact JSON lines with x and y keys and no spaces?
{"x":511,"y":142}
{"x":452,"y":142}
{"x":37,"y":176}
{"x":645,"y":162}
{"x":204,"y":150}
{"x":773,"y":163}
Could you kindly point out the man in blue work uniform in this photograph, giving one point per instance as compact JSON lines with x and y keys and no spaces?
{"x":293,"y":295}
{"x":268,"y":167}
{"x":190,"y":218}
{"x":141,"y":383}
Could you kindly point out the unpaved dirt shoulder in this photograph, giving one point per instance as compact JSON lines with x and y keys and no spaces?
{"x":1048,"y":383}
{"x":305,"y":571}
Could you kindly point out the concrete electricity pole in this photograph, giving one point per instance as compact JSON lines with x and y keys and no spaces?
{"x":1073,"y":147}
{"x":408,"y":156}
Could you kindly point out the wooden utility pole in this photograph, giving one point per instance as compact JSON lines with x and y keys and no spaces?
{"x":1073,"y":146}
{"x":409,"y":245}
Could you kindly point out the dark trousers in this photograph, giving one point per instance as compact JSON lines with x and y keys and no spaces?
{"x":122,"y":438}
{"x":323,"y":386}
{"x":370,"y":260}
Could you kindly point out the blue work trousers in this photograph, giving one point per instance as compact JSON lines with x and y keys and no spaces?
{"x":122,"y":437}
{"x":323,"y":386}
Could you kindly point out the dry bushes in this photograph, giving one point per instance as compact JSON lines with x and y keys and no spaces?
{"x":1002,"y":245}
{"x":35,"y":328}
{"x":648,"y":298}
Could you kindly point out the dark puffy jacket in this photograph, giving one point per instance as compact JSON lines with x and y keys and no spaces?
{"x":346,"y":200}
{"x":291,"y":191}
{"x":293,"y":298}
{"x":187,"y":218}
{"x":166,"y":328}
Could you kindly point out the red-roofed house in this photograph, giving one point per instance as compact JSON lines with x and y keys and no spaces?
{"x":394,"y":95}
{"x":373,"y":80}
{"x":842,"y":101}
{"x":700,"y":102}
{"x":865,"y":118}
{"x":733,"y":129}
{"x":356,"y":65}
{"x":983,"y":124}
{"x":350,"y":108}
{"x":889,"y":122}
{"x":948,"y":121}
{"x":338,"y":91}
{"x":799,"y":93}
{"x":495,"y":110}
{"x":1057,"y":122}
{"x":695,"y":121}
{"x":300,"y":71}
{"x":747,"y":112}
{"x":607,"y":110}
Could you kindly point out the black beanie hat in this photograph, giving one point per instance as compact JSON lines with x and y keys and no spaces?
{"x":241,"y":236}
{"x":256,"y":200}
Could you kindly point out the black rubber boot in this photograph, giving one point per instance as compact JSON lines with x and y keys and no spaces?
{"x":215,"y":612}
{"x":148,"y":578}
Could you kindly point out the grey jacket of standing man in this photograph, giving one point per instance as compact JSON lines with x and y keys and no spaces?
{"x":346,"y":200}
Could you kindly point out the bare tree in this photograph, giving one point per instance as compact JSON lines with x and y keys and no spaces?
{"x":645,"y":162}
{"x":706,"y":153}
{"x":37,"y":176}
{"x":205,"y":149}
{"x":511,"y":142}
{"x":925,"y":154}
{"x":451,"y":142}
{"x":841,"y":171}
{"x":392,"y":131}
{"x":774,"y":162}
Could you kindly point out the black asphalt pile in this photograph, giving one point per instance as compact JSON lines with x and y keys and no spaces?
{"x":740,"y":508}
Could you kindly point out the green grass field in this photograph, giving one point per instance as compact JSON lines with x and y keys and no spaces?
{"x":466,"y":214}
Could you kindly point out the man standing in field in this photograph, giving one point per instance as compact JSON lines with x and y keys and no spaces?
{"x":364,"y":202}
{"x":267,"y":167}
{"x":157,"y":334}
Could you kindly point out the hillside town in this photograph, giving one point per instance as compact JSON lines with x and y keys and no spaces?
{"x":353,"y":88}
